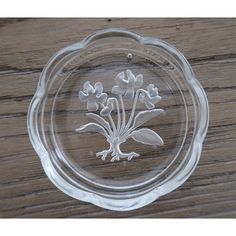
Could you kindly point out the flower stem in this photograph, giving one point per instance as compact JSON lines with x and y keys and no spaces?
{"x":123,"y":112}
{"x":112,"y":121}
{"x":118,"y":113}
{"x":133,"y":109}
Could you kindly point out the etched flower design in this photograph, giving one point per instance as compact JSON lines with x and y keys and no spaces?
{"x":108,"y":108}
{"x":150,"y":96}
{"x":126,"y":86}
{"x":92,"y":95}
{"x":118,"y":130}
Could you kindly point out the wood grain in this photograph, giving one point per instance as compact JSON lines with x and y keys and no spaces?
{"x":25,"y":47}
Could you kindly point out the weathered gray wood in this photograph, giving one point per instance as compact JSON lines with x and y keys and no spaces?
{"x":25,"y":47}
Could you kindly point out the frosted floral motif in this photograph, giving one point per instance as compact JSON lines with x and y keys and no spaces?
{"x":150,"y":96}
{"x":108,"y":108}
{"x":92,"y":95}
{"x":128,"y":86}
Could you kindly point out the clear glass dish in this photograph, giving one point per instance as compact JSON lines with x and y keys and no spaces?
{"x":118,"y":120}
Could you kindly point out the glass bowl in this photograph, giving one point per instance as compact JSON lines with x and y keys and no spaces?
{"x":118,"y":119}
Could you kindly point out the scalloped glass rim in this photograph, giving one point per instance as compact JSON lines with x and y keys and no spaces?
{"x":178,"y":177}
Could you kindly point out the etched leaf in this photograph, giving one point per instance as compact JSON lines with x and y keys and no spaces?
{"x":99,"y":119}
{"x":146,"y":136}
{"x":92,"y":127}
{"x":144,"y":116}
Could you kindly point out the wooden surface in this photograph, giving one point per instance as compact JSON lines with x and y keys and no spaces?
{"x":25,"y":47}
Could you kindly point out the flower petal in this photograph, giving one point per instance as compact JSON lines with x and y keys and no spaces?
{"x":82,"y":96}
{"x":88,"y":87}
{"x":156,"y":90}
{"x":117,"y":90}
{"x":144,"y":96}
{"x":155,"y":99}
{"x":92,"y":106}
{"x":150,"y":87}
{"x":120,"y":80}
{"x":98,"y":87}
{"x":131,"y":77}
{"x":108,"y":108}
{"x":102,"y":98}
{"x":139,"y":81}
{"x":129,"y":92}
